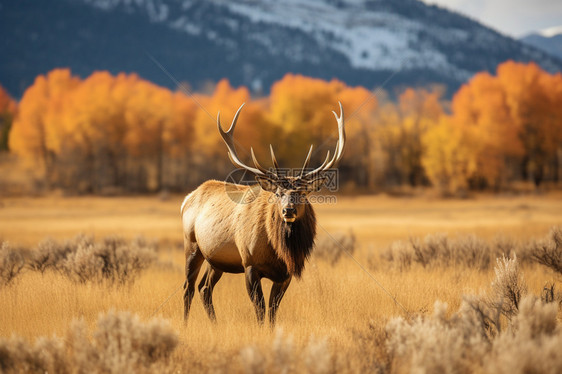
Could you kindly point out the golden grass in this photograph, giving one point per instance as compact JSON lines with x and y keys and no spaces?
{"x":329,"y":302}
{"x":376,"y":220}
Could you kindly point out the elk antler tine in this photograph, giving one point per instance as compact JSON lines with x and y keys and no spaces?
{"x":320,"y":168}
{"x":228,"y":138}
{"x":326,"y":160}
{"x":306,"y":161}
{"x":340,"y":145}
{"x":256,"y":163}
{"x":273,"y":159}
{"x":219,"y":122}
{"x":235,"y":119}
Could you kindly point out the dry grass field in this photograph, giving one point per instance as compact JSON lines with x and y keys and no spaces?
{"x":332,"y":320}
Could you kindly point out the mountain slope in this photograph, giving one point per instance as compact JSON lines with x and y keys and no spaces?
{"x":551,"y":44}
{"x":252,"y":42}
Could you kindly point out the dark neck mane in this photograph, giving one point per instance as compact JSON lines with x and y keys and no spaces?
{"x":292,"y":242}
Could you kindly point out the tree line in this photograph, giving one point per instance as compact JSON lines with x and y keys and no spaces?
{"x":123,"y":132}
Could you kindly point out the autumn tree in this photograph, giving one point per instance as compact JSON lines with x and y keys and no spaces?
{"x":400,"y":128}
{"x":448,"y":159}
{"x":7,"y":112}
{"x":534,"y":100}
{"x":301,"y":108}
{"x":359,"y":164}
{"x":122,"y":131}
{"x":208,"y":148}
{"x":30,"y":136}
{"x":180,"y":139}
{"x":481,"y":135}
{"x":419,"y":110}
{"x":502,"y":128}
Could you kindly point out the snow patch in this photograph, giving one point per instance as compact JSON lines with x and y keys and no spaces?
{"x":551,"y":31}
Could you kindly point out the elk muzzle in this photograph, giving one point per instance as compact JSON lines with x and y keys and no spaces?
{"x":289,"y":214}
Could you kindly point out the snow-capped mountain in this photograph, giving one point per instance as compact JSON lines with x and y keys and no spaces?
{"x":548,"y":40}
{"x":252,"y":42}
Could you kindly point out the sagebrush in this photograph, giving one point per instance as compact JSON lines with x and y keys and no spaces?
{"x":120,"y":343}
{"x":331,"y":247}
{"x":439,"y":250}
{"x":82,"y":259}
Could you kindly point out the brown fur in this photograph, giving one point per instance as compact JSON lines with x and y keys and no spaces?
{"x":258,"y":222}
{"x":293,"y":242}
{"x":237,"y":234}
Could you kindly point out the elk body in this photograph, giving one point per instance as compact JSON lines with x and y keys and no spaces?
{"x":270,"y":236}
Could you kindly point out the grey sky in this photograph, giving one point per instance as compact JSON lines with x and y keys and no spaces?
{"x":512,"y":17}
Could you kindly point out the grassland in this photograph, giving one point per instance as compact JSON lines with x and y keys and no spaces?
{"x":330,"y":311}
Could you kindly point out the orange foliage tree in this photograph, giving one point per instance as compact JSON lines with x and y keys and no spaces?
{"x":7,"y":111}
{"x":31,"y":136}
{"x":121,"y":131}
{"x":103,"y":131}
{"x":399,"y":129}
{"x":534,"y":101}
{"x":502,"y":128}
{"x":301,"y":109}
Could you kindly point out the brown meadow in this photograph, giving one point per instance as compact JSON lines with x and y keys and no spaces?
{"x":333,"y":319}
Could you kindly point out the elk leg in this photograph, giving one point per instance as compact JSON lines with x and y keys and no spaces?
{"x":253,"y":285}
{"x":206,"y":287}
{"x":277,"y":293}
{"x":194,"y":260}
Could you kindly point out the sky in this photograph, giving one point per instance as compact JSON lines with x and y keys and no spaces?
{"x":515,"y":18}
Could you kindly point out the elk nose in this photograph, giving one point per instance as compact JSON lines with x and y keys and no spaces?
{"x":289,"y":212}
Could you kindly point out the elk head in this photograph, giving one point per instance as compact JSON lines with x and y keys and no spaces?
{"x":290,"y":191}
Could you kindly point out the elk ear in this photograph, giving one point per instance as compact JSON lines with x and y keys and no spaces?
{"x":316,"y":184}
{"x":266,"y":183}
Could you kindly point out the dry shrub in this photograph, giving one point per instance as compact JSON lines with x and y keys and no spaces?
{"x":508,"y":287}
{"x":46,"y":355}
{"x":436,"y":344}
{"x":502,"y":299}
{"x":283,"y":357}
{"x":398,"y":253}
{"x":369,"y":350}
{"x":51,"y":254}
{"x":331,"y":248}
{"x":113,"y":260}
{"x":533,"y":343}
{"x":121,"y":343}
{"x":437,"y":250}
{"x":12,"y":262}
{"x":549,"y":294}
{"x":439,"y":344}
{"x":475,"y":339}
{"x":82,"y":259}
{"x":548,"y":251}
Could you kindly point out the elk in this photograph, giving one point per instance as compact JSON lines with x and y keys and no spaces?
{"x":269,"y":237}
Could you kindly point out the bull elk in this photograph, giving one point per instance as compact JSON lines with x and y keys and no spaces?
{"x":269,"y":237}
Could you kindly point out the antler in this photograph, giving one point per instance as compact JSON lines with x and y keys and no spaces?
{"x":338,"y":152}
{"x":228,"y":138}
{"x":328,"y":163}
